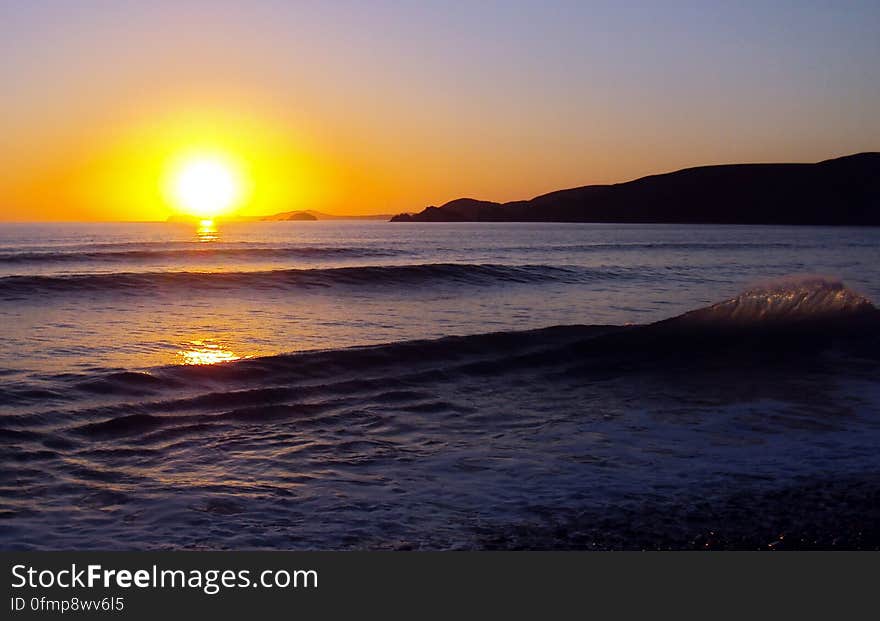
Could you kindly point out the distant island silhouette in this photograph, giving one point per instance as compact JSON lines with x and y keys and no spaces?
{"x":303,"y":215}
{"x":841,"y":191}
{"x":311,"y":214}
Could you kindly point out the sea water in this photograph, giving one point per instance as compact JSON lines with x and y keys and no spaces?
{"x":372,"y":385}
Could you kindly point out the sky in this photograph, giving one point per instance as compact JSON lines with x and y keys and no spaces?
{"x":385,"y":107}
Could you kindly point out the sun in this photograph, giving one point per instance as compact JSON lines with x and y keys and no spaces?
{"x":205,"y":186}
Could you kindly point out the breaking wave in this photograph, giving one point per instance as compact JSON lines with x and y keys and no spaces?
{"x":820,"y":305}
{"x":788,"y":300}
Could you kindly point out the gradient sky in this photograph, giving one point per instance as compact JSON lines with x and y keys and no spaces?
{"x":362,"y":107}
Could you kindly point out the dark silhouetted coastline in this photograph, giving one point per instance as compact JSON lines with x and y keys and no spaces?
{"x":842,"y":191}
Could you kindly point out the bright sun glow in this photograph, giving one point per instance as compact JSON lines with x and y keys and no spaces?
{"x":206,"y":186}
{"x":206,"y":352}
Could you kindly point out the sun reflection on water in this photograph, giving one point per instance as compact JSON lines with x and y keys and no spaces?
{"x":207,"y":231}
{"x":206,"y":352}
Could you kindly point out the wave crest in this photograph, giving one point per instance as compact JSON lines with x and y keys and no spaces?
{"x":189,"y":253}
{"x":785,"y":301}
{"x":136,"y":283}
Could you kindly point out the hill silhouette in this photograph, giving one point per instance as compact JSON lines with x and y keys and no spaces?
{"x":841,"y":191}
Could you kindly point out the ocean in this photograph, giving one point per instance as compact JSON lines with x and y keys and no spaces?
{"x":369,"y":385}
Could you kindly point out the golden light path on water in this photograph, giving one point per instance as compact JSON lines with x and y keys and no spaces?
{"x":206,"y":352}
{"x":207,"y":231}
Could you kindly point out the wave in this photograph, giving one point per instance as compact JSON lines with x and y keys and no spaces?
{"x":786,"y":301}
{"x":378,"y":445}
{"x":816,"y":311}
{"x":122,"y":252}
{"x":821,"y":309}
{"x":17,"y":287}
{"x":188,"y":253}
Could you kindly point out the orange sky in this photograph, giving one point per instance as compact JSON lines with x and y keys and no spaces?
{"x":383,"y":107}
